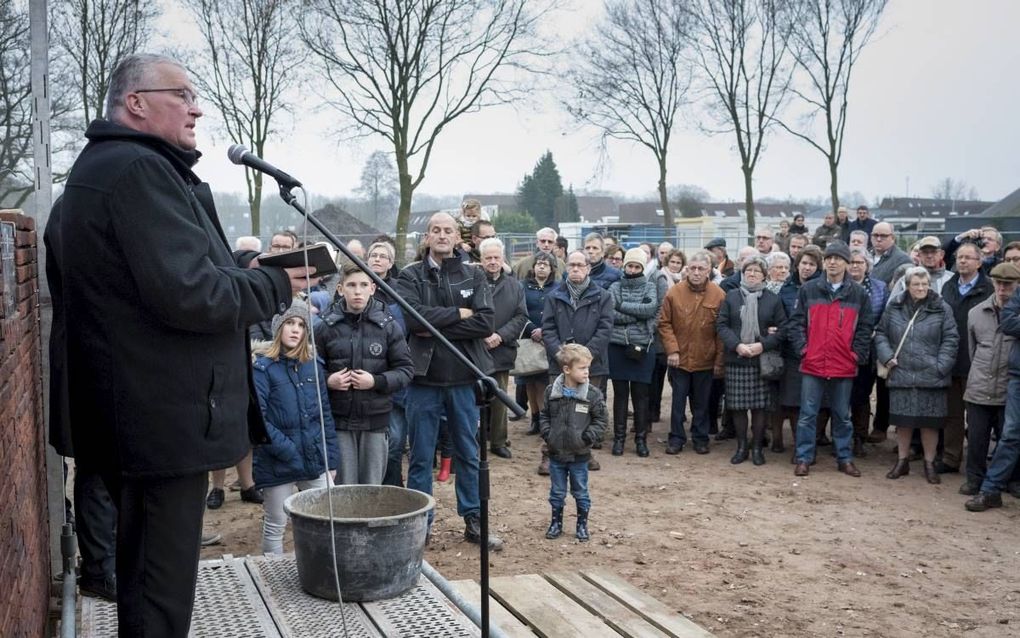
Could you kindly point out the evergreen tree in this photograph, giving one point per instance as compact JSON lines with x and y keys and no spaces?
{"x":566,"y":207}
{"x":538,"y":192}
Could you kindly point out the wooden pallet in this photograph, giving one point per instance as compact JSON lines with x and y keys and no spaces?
{"x":589,"y":603}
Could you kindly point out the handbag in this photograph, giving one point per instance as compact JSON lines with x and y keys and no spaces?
{"x":531,"y":357}
{"x":634,"y":351}
{"x":881,"y":369}
{"x":770,"y":363}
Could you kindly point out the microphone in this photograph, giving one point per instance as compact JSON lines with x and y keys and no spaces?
{"x":240,"y":155}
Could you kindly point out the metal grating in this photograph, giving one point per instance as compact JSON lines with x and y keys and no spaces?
{"x":301,"y":615}
{"x":226,"y":605}
{"x":422,"y":611}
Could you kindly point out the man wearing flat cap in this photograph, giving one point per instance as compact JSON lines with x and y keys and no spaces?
{"x":717,"y":247}
{"x":989,"y":350}
{"x":930,"y":254}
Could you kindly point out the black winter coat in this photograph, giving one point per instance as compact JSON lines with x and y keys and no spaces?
{"x":511,"y":313}
{"x":437,"y":294}
{"x":770,"y":315}
{"x":961,"y":309}
{"x":589,"y":324}
{"x":371,"y":341}
{"x":156,"y":311}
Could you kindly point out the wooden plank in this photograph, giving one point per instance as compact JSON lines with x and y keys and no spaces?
{"x":498,"y":614}
{"x":655,"y":612}
{"x":545,"y":609}
{"x":611,"y":611}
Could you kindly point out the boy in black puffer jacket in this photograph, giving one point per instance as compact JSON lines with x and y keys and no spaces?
{"x":367,"y":361}
{"x":573,"y":418}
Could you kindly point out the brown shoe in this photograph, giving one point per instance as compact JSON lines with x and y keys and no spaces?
{"x":593,"y":464}
{"x":801,"y":469}
{"x":543,"y":466}
{"x":930,"y":474}
{"x":878,"y":436}
{"x":902,"y":468}
{"x":849,"y":469}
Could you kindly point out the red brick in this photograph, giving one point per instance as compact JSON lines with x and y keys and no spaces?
{"x":21,"y":221}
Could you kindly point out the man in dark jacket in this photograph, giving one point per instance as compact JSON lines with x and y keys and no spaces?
{"x":863,"y":223}
{"x":964,"y":290}
{"x":831,"y":330}
{"x":511,"y":314}
{"x":888,"y":256}
{"x":601,"y":273}
{"x":156,"y":310}
{"x":1007,"y":451}
{"x":453,"y":297}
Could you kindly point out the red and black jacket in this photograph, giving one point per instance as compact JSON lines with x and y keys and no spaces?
{"x":831,"y":330}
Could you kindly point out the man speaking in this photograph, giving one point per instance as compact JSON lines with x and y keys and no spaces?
{"x":156,"y":309}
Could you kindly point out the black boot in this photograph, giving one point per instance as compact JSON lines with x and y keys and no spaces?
{"x":641,"y":445}
{"x":582,"y":526}
{"x":740,"y":431}
{"x":556,"y":524}
{"x":534,"y":425}
{"x":617,"y":446}
{"x":758,"y":438}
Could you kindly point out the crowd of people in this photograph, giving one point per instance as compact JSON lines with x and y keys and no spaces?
{"x":797,"y":330}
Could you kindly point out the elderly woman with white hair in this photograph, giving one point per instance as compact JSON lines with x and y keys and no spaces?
{"x":778,"y":271}
{"x":917,"y":339}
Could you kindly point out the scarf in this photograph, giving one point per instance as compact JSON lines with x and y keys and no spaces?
{"x":774,"y":286}
{"x":749,"y":332}
{"x":673,"y":278}
{"x":576,"y":290}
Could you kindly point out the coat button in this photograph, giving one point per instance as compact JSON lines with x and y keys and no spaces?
{"x":212,"y":403}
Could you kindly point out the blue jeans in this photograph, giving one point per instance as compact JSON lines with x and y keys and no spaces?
{"x":1008,"y":448}
{"x":425,"y":404}
{"x":398,"y":437}
{"x":698,"y":387}
{"x":578,"y":474}
{"x":837,"y":391}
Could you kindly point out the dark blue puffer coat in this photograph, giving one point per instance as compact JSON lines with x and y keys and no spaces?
{"x":286,"y":393}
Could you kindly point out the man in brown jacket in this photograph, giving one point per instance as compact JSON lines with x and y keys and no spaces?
{"x":694,"y":352}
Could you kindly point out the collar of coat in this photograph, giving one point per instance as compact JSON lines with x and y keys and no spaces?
{"x":931,"y":303}
{"x":375,"y":312}
{"x":105,"y":131}
{"x":557,"y":390}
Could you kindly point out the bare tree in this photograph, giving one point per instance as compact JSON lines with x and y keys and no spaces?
{"x":245,"y":69}
{"x":743,"y":54}
{"x":952,"y":189}
{"x":407,"y":69}
{"x":827,"y":42}
{"x":93,"y":35}
{"x":628,"y":80}
{"x":379,"y":187}
{"x":15,"y":105}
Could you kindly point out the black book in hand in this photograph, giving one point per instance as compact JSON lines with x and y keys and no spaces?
{"x":318,"y":258}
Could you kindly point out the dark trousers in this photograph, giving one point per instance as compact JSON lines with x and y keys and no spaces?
{"x":715,"y":408}
{"x":95,"y":524}
{"x":697,"y":386}
{"x":655,"y":389}
{"x":637,"y":394}
{"x":982,"y":421}
{"x":159,"y":542}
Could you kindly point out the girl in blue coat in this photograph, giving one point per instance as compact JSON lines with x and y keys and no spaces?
{"x":285,"y":373}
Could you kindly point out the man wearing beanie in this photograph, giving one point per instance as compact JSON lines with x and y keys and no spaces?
{"x":831,"y":330}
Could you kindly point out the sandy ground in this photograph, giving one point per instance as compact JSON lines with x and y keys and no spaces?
{"x":745,"y":550}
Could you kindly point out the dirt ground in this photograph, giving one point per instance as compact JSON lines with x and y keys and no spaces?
{"x":745,"y":550}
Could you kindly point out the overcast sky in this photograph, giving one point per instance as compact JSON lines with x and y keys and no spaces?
{"x":935,"y":95}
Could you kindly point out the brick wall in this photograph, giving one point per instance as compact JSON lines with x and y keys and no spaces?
{"x":24,"y":520}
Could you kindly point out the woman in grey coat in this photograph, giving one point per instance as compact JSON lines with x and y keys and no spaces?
{"x":920,"y":373}
{"x":631,"y":361}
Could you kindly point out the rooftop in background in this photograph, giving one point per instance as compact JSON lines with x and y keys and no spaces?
{"x":914,"y":207}
{"x":651,"y":212}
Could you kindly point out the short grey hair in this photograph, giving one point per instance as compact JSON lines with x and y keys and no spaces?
{"x":863,"y":254}
{"x":595,"y":237}
{"x":916,"y":271}
{"x":859,"y":233}
{"x":128,"y":75}
{"x":490,"y":242}
{"x":248,"y":242}
{"x":702,"y":256}
{"x":775,"y":258}
{"x":546,"y":231}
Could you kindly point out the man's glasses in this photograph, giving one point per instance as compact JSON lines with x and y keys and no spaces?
{"x":762,"y":237}
{"x":379,"y":256}
{"x":190,"y":97}
{"x":880,"y":235}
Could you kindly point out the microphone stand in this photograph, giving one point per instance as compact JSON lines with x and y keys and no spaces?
{"x":486,"y":389}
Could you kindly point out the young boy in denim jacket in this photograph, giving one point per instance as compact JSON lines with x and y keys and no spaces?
{"x":573,"y":418}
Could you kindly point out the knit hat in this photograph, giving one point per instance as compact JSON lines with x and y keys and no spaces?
{"x":838,"y":249}
{"x":298,"y":309}
{"x":635,"y":256}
